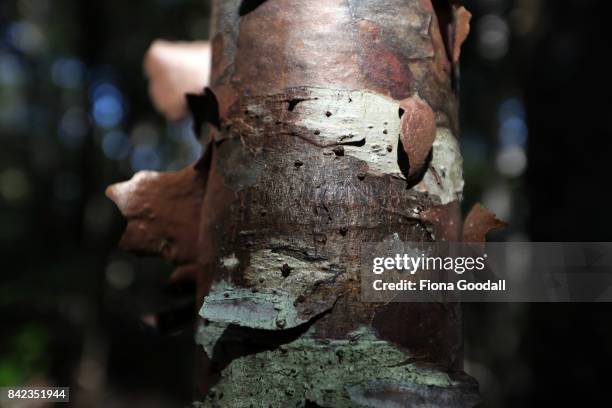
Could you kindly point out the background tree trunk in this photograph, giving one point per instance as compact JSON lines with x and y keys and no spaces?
{"x":334,"y":123}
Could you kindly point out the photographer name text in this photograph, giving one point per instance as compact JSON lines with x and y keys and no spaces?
{"x":454,"y":266}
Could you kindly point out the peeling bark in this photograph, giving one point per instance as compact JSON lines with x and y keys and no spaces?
{"x":161,"y":209}
{"x":335,"y":123}
{"x":173,"y":69}
{"x":478,"y":223}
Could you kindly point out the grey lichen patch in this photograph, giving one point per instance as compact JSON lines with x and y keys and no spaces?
{"x":329,"y":373}
{"x":444,"y":177}
{"x":273,"y":269}
{"x":296,"y":268}
{"x":270,"y":309}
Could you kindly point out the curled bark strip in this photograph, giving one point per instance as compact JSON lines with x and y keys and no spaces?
{"x":174,"y":69}
{"x":478,"y":223}
{"x":417,"y":132}
{"x":443,"y":10}
{"x":461,"y":30}
{"x":162,"y":212}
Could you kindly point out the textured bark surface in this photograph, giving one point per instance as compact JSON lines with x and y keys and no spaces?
{"x":334,"y":122}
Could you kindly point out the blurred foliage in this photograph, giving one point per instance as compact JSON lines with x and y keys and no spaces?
{"x":74,"y":117}
{"x":25,"y":357}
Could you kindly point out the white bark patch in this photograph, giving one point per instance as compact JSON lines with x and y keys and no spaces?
{"x":350,"y":118}
{"x":444,"y":177}
{"x":365,"y":124}
{"x":230,"y":262}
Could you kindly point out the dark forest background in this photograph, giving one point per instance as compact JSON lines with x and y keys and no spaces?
{"x":75,"y":116}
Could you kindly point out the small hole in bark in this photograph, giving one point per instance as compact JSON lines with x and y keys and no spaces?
{"x":328,"y":114}
{"x":298,"y":163}
{"x":357,"y":143}
{"x":401,"y":112}
{"x":389,"y":148}
{"x":317,"y":132}
{"x":338,"y":151}
{"x":343,"y":231}
{"x":285,"y":270}
{"x":340,"y":355}
{"x":293,"y":103}
{"x":361,"y":176}
{"x":385,"y":131}
{"x":263,"y":213}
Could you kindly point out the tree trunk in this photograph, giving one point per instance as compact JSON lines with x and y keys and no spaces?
{"x":334,"y":122}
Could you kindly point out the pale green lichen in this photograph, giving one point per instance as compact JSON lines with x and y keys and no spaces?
{"x":280,"y":281}
{"x":270,"y":309}
{"x":323,"y":372}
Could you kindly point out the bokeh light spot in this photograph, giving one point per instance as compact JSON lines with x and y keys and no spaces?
{"x":116,"y":145}
{"x":145,"y":158}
